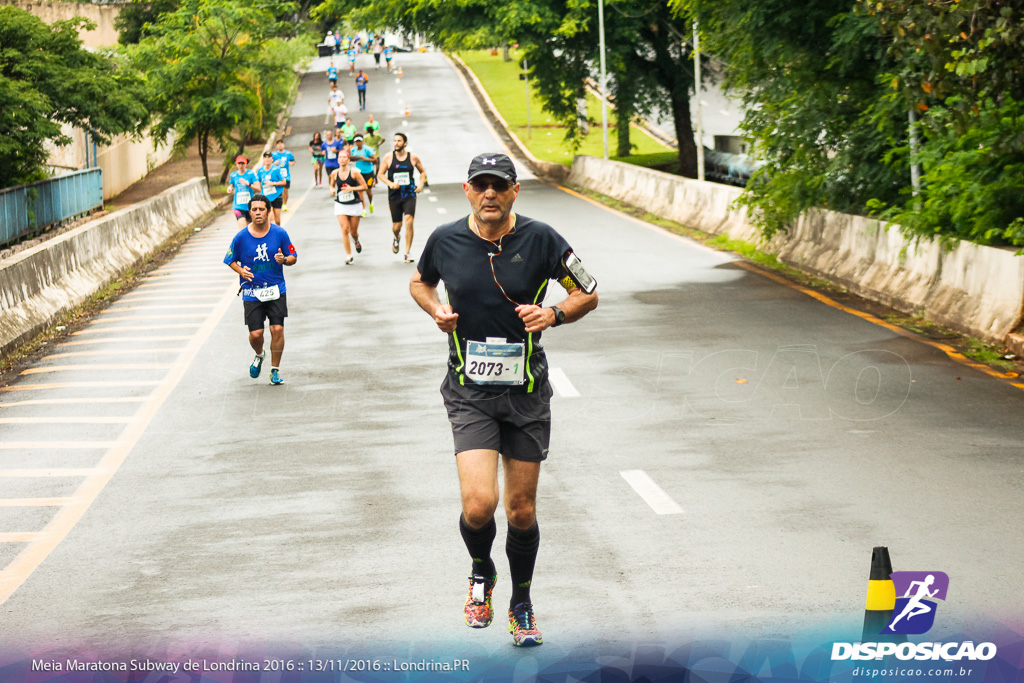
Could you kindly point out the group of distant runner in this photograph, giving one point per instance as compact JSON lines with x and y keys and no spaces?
{"x":496,"y":267}
{"x":354,"y":45}
{"x":353,"y":164}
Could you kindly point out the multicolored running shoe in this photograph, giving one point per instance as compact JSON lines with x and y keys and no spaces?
{"x":522,"y":624}
{"x":479,"y":612}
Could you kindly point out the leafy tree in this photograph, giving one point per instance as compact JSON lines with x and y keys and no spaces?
{"x":48,"y":79}
{"x":648,"y":54}
{"x":204,"y":63}
{"x":270,"y":82}
{"x":959,"y":66}
{"x":808,"y":75}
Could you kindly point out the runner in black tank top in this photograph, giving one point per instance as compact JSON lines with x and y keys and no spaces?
{"x":348,"y":188}
{"x":399,"y":174}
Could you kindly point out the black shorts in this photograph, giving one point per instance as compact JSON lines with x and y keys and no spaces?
{"x":277,"y":203}
{"x":401,"y":205}
{"x":258,"y":311}
{"x":243,"y":214}
{"x":376,"y":57}
{"x":517,"y":425}
{"x":287,"y":184}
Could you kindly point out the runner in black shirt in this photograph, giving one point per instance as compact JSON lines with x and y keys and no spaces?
{"x":397,"y":172}
{"x":496,"y":267}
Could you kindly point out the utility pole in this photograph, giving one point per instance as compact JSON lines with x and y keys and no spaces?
{"x":696,"y":92}
{"x":604,"y":84}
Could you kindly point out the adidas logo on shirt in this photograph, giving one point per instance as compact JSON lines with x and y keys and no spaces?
{"x":517,"y":259}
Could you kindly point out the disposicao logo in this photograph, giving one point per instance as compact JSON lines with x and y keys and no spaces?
{"x":914,"y":614}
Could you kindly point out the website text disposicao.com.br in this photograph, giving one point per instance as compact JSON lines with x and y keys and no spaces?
{"x":902,"y":672}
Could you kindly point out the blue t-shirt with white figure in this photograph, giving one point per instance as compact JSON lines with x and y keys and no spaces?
{"x":258,"y":254}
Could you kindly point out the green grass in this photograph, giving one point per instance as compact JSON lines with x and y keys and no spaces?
{"x":545,"y":138}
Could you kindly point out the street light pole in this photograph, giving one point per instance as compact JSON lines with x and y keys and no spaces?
{"x":696,"y":92}
{"x":604,"y":93}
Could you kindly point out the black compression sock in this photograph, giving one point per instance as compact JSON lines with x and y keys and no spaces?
{"x":521,"y":546}
{"x":478,"y":543}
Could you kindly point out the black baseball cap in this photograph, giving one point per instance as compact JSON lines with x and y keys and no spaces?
{"x":492,"y":164}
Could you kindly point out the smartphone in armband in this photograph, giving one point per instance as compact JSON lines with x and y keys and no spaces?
{"x":580,"y":277}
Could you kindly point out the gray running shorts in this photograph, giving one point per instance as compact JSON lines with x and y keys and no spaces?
{"x":516,"y":425}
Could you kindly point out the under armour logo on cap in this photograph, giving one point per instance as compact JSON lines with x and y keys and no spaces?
{"x":498,"y":165}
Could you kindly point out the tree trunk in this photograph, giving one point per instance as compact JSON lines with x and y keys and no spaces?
{"x":623,"y":148}
{"x":684,"y":134}
{"x":203,"y":150}
{"x":505,"y":53}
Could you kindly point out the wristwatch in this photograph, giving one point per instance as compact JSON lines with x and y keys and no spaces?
{"x":559,"y":316}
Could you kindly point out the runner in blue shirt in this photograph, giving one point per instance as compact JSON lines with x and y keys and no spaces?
{"x":361,"y":81}
{"x":351,"y":59}
{"x":272,"y":184}
{"x":285,"y":160}
{"x":258,"y":253}
{"x":332,"y":73}
{"x":243,"y":183}
{"x":389,"y":52}
{"x":331,"y":149}
{"x":365,"y":159}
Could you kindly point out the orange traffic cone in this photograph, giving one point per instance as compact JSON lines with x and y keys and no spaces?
{"x":881,"y":598}
{"x":406,"y":110}
{"x":399,"y":72}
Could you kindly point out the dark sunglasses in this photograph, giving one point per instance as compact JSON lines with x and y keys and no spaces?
{"x":498,"y":185}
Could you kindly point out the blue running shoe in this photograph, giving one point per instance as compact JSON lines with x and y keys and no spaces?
{"x":275,"y":377}
{"x":257,"y":365}
{"x":522,"y":624}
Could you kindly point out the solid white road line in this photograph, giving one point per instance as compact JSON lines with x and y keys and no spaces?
{"x":562,"y":384}
{"x":652,"y":494}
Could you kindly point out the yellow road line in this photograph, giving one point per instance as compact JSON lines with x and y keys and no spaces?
{"x":61,"y":445}
{"x":131,"y":328}
{"x":77,"y":385}
{"x":124,"y":366}
{"x":72,"y":401}
{"x":165,"y":317}
{"x":950,"y":352}
{"x":155,"y":307}
{"x":102,"y":340}
{"x":63,"y":420}
{"x":145,"y":297}
{"x":19,"y":536}
{"x":157,"y":286}
{"x":108,"y":352}
{"x":33,"y":502}
{"x":22,"y":566}
{"x":44,"y":473}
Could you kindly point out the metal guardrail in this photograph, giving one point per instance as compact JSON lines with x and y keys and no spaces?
{"x":27,"y":209}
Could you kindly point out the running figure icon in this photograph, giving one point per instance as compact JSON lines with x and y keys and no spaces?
{"x":915,"y":605}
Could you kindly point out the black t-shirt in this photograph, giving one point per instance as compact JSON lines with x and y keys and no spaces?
{"x":529,"y":256}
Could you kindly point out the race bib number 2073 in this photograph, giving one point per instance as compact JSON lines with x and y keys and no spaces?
{"x":495,"y":362}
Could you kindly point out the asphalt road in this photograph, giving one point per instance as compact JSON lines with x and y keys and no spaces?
{"x":726,"y":450}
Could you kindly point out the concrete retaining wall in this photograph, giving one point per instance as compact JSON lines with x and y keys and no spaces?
{"x":40,"y":284}
{"x":977,"y":290}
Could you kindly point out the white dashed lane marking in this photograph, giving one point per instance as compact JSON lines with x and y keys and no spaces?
{"x":562,"y":384}
{"x":652,"y":494}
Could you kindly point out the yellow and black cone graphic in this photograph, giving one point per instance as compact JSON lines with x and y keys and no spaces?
{"x":881,"y":599}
